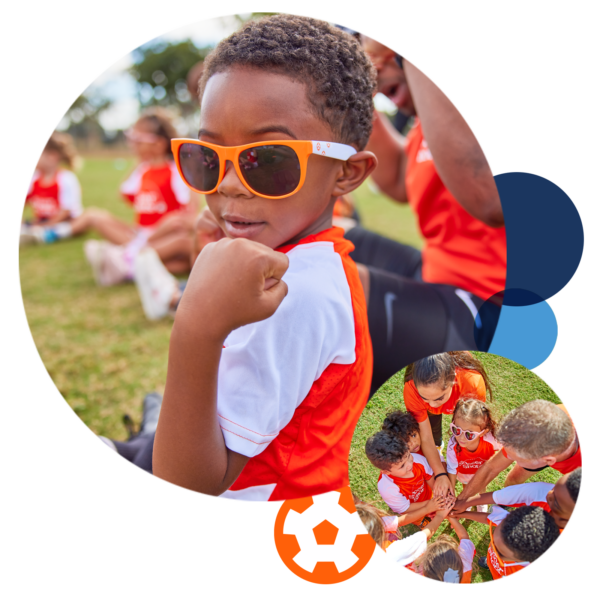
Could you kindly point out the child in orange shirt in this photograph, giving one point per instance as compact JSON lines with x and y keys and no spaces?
{"x":405,"y":481}
{"x":516,"y":538}
{"x":54,"y":194}
{"x":432,"y":387}
{"x":472,"y":442}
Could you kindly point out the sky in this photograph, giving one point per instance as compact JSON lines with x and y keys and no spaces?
{"x":117,"y":85}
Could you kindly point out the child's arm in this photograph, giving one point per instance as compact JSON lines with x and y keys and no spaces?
{"x":233,"y":283}
{"x":461,"y":532}
{"x":418,"y":510}
{"x":474,"y":516}
{"x":485,"y":498}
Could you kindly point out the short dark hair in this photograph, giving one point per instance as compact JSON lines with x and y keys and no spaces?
{"x":401,"y":424}
{"x":573,"y":483}
{"x":529,"y":531}
{"x":340,"y":78}
{"x":385,"y":449}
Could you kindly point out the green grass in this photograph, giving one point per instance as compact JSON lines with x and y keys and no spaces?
{"x":98,"y":347}
{"x":512,"y":384}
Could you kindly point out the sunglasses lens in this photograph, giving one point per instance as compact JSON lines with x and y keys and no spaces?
{"x":271,"y":170}
{"x":200,"y":167}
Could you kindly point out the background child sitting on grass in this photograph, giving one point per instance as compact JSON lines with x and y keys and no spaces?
{"x":266,"y":410}
{"x":405,"y":482}
{"x":516,"y":538}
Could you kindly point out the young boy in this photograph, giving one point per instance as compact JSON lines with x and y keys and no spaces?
{"x":406,"y":427}
{"x":516,"y":538}
{"x":405,"y":481}
{"x":557,"y":499}
{"x":266,"y":410}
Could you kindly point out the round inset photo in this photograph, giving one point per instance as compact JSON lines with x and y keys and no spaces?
{"x":465,"y":467}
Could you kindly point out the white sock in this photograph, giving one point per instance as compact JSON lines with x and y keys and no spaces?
{"x":63,"y":230}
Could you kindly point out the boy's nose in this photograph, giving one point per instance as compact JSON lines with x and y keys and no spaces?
{"x":231,"y":185}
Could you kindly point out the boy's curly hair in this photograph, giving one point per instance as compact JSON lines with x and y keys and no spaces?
{"x":402,"y":424}
{"x":340,"y":78}
{"x":574,"y":483}
{"x":385,"y":449}
{"x":529,"y":531}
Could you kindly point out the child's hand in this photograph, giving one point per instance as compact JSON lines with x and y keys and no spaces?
{"x":206,"y":231}
{"x":233,"y":283}
{"x":436,"y":504}
{"x":460,"y":506}
{"x":448,"y":503}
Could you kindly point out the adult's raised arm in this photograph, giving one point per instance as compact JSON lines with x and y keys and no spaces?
{"x":458,"y":157}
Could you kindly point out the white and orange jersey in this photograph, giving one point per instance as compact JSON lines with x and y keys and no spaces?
{"x":291,"y":388}
{"x":154,"y":191}
{"x":48,"y":198}
{"x":497,"y":566}
{"x":399,"y":493}
{"x":525,"y":494}
{"x":465,"y":463}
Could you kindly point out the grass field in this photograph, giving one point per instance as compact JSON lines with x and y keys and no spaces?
{"x":98,"y":347}
{"x":512,"y":384}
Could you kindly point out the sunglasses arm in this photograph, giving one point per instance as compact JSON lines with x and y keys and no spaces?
{"x":333,"y":150}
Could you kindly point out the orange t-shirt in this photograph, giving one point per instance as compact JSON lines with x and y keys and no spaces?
{"x":468,"y":383}
{"x":569,"y":464}
{"x":459,"y":249}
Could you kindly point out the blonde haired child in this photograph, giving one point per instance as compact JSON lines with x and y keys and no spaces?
{"x":472,"y":442}
{"x":381,"y":527}
{"x":54,"y":194}
{"x":446,"y":559}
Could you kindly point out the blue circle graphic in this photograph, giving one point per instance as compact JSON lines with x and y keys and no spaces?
{"x":544,"y":236}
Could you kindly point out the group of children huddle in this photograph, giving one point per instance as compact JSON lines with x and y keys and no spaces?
{"x":406,"y":484}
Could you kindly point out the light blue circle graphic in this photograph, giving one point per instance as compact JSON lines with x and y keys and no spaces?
{"x":525,"y":334}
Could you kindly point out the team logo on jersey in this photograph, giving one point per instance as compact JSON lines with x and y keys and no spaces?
{"x":321,"y":538}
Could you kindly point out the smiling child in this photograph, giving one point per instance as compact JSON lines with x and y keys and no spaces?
{"x":266,"y":411}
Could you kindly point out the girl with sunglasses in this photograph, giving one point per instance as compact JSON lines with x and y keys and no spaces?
{"x":472,"y":443}
{"x":164,"y":209}
{"x":432,"y":388}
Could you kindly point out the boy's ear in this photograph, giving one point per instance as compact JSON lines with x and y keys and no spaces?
{"x":355,"y":170}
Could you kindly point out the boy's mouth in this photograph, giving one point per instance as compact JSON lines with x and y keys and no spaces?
{"x":240,"y":227}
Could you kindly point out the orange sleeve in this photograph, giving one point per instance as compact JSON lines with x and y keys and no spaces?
{"x":413,"y":402}
{"x":471,"y":383}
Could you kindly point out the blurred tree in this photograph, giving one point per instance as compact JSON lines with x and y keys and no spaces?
{"x":82,"y":119}
{"x":161,"y":69}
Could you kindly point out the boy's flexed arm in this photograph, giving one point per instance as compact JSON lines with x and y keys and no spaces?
{"x":233,"y":283}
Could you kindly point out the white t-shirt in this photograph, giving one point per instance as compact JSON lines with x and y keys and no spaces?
{"x":268,"y":368}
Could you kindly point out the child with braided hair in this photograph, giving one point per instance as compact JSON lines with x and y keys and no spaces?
{"x":472,"y":442}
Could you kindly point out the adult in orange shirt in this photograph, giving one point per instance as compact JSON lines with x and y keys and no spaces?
{"x":535,"y":436}
{"x":441,"y":171}
{"x":432,"y":387}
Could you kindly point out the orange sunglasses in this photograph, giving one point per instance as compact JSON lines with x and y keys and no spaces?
{"x":272,"y":169}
